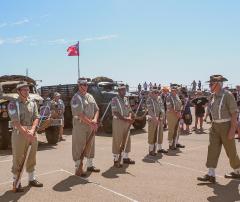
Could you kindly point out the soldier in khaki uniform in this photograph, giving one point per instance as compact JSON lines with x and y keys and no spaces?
{"x":85,"y":116}
{"x":122,"y":117}
{"x":224,"y":111}
{"x":174,"y":107}
{"x":155,"y":107}
{"x":58,"y":109}
{"x":24,"y":115}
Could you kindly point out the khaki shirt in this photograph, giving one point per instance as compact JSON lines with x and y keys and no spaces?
{"x":121,"y":105}
{"x":155,"y":107}
{"x":173,"y":103}
{"x":58,"y":106}
{"x":223,"y":105}
{"x":26,"y":113}
{"x":84,"y":104}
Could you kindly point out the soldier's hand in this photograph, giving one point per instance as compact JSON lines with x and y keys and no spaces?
{"x":94,"y":121}
{"x":31,"y":138}
{"x":31,"y":132}
{"x":179,"y":115}
{"x":129,"y":120}
{"x":94,"y":127}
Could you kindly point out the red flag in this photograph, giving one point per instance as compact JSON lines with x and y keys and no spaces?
{"x":73,"y":50}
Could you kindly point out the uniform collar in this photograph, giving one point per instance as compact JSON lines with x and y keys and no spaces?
{"x":121,"y":98}
{"x":220,"y":93}
{"x":81,"y":94}
{"x":20,"y":101}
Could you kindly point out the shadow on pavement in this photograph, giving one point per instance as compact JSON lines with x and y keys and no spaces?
{"x":68,"y":183}
{"x":152,"y":159}
{"x":224,"y":193}
{"x":13,"y":197}
{"x":114,"y":172}
{"x":45,"y":146}
{"x":173,"y":152}
{"x":137,"y":131}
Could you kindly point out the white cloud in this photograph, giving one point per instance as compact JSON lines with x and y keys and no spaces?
{"x":16,"y":40}
{"x":21,"y":22}
{"x":100,"y":38}
{"x":4,"y":24}
{"x":58,"y":42}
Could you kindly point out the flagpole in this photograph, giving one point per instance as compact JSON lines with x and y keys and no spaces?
{"x":78,"y":62}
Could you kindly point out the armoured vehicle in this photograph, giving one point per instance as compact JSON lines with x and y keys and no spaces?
{"x":103,"y":90}
{"x":8,"y":92}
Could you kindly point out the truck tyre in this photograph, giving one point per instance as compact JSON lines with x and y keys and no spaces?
{"x":52,"y":134}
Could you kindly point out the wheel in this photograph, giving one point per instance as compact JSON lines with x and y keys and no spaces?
{"x":52,"y":134}
{"x":5,"y":135}
{"x":140,"y":123}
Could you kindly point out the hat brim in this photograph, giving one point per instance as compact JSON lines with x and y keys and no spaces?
{"x":223,"y":79}
{"x":26,"y":85}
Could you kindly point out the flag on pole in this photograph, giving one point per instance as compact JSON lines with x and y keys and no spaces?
{"x":73,"y":50}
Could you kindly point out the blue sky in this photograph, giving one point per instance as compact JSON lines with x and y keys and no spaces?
{"x":129,"y":40}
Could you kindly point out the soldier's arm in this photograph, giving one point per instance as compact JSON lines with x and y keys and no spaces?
{"x":13,"y":114}
{"x":96,"y":110}
{"x":115,"y":112}
{"x":232,"y":106}
{"x":130,"y":115}
{"x":36,"y":118}
{"x":150,"y":109}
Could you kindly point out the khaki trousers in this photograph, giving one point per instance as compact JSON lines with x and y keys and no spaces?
{"x":119,"y":132}
{"x":19,"y":147}
{"x":217,"y":138}
{"x":152,"y":133}
{"x":172,"y":126}
{"x":80,"y":135}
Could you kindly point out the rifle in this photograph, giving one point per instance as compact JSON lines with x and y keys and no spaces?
{"x":25,"y":158}
{"x":125,"y":140}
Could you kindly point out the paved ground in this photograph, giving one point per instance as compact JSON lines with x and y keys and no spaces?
{"x":169,"y":177}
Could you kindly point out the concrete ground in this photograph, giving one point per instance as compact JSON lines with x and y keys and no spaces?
{"x":170,"y":177}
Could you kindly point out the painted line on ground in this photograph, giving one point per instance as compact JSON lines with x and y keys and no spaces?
{"x":194,"y":148}
{"x":42,"y":174}
{"x":187,"y":168}
{"x":5,"y":161}
{"x":105,"y":188}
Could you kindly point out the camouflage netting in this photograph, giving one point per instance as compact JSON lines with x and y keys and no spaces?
{"x":102,"y":79}
{"x":17,"y":78}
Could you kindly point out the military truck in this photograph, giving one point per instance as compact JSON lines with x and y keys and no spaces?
{"x":103,"y":90}
{"x":8,"y":92}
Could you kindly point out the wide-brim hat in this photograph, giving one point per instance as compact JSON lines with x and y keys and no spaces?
{"x":22,"y":84}
{"x":57,"y":94}
{"x":82,"y":81}
{"x":175,"y":87}
{"x":217,"y":78}
{"x":166,"y":89}
{"x":121,"y":86}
